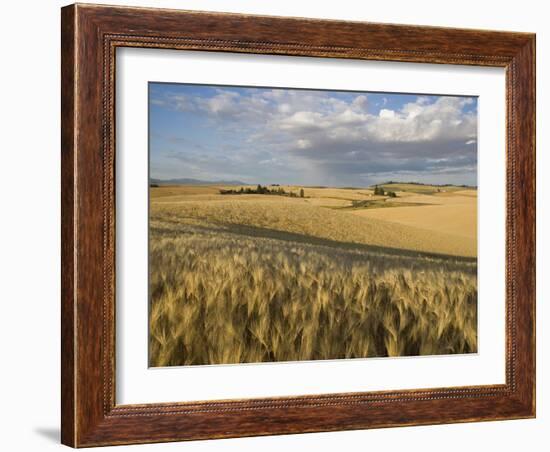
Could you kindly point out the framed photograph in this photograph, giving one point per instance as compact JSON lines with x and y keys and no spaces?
{"x":281,"y":225}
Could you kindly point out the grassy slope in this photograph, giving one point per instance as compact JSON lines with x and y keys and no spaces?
{"x":300,"y":217}
{"x":451,"y":214}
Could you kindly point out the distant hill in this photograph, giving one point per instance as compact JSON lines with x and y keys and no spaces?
{"x":391,"y":182}
{"x":187,"y":181}
{"x":426,"y":189}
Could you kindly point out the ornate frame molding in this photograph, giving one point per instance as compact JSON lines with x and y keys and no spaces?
{"x":90,"y":37}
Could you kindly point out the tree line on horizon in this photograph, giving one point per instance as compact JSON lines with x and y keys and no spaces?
{"x":262,"y":190}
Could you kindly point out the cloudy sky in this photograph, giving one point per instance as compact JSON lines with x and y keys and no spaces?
{"x":290,"y":136}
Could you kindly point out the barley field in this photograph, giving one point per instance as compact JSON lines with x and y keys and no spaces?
{"x":261,"y":278}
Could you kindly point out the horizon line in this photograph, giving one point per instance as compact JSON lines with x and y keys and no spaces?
{"x":240,"y":182}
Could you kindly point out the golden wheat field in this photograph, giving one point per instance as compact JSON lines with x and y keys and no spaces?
{"x":337,"y":273}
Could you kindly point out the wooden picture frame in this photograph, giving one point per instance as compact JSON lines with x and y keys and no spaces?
{"x":90,"y":36}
